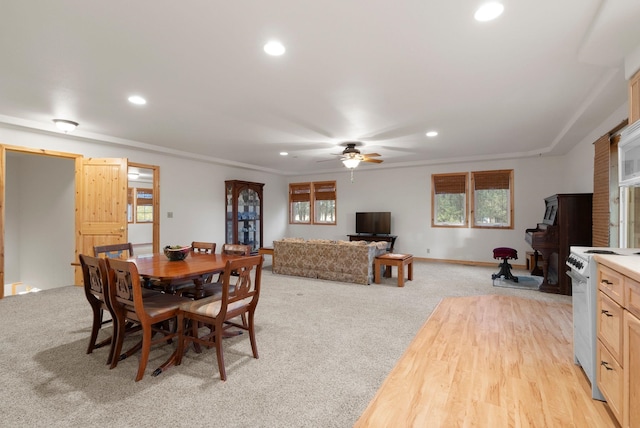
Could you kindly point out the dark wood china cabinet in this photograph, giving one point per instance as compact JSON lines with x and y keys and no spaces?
{"x":244,"y":213}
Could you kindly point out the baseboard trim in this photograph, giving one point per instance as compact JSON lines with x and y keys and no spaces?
{"x":466,"y":262}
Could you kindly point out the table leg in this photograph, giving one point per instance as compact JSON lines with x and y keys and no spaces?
{"x":376,"y":272}
{"x":410,"y":264}
{"x":401,"y":274}
{"x":387,"y":271}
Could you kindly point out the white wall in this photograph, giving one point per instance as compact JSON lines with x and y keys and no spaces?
{"x":578,"y":165}
{"x":192,"y":189}
{"x":406,"y":192}
{"x":40,"y":227}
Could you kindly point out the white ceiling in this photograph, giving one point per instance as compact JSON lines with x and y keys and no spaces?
{"x":535,"y":81}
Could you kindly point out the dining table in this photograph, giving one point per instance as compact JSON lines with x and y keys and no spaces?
{"x":196,"y":267}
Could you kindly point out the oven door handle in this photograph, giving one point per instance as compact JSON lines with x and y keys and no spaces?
{"x":576,"y":276}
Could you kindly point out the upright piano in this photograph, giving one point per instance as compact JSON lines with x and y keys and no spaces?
{"x":567,"y":221}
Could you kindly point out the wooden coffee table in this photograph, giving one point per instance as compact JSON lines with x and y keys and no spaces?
{"x":398,"y":260}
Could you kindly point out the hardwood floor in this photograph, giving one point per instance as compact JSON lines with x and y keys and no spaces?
{"x":491,"y":361}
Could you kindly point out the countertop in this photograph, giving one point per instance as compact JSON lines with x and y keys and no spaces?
{"x":626,"y":265}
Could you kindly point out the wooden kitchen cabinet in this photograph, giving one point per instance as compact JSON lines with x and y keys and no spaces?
{"x":618,"y":334}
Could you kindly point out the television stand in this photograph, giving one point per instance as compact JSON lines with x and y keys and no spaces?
{"x":391,"y":239}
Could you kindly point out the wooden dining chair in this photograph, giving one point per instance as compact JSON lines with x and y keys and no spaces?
{"x":210,"y":287}
{"x":118,"y":251}
{"x":152,"y":313}
{"x":203,"y":247}
{"x":239,"y":297}
{"x":236,"y":249}
{"x":94,"y":275}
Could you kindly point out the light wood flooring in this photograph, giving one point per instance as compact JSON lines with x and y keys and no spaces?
{"x":489,"y":361}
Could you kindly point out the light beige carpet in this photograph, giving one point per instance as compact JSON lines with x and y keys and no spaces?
{"x":325,"y":348}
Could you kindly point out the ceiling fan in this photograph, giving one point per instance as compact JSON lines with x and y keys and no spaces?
{"x":351,"y":156}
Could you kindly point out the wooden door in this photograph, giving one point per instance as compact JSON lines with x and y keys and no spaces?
{"x":101,"y":204}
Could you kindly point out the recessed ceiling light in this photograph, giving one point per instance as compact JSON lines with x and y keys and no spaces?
{"x":489,"y":11}
{"x":284,"y":153}
{"x":137,"y":99}
{"x":65,"y":125}
{"x":431,"y":133}
{"x":274,"y":48}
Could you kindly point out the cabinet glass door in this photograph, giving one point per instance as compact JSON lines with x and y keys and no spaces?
{"x":244,"y":213}
{"x":249,"y":218}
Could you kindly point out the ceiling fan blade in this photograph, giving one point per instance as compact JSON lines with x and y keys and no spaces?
{"x":372,"y":160}
{"x":371,"y":155}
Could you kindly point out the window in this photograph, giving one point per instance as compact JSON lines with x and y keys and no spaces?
{"x":315,"y":201}
{"x":492,"y":202}
{"x":449,"y":200}
{"x":324,"y":208}
{"x":300,"y":203}
{"x":141,"y":205}
{"x":491,"y":199}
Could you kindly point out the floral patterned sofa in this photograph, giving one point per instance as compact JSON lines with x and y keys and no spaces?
{"x":333,"y":260}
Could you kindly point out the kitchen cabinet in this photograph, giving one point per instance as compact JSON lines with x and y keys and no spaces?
{"x":618,"y":336}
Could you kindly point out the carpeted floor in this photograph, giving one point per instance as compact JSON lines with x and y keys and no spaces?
{"x":325,"y":348}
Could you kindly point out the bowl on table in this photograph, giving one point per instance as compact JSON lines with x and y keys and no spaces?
{"x":177,"y":252}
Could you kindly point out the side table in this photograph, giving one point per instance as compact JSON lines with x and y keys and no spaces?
{"x":398,"y":260}
{"x":266,"y":251}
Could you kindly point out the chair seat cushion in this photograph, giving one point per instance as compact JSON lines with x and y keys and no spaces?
{"x":210,"y":306}
{"x":162,"y":303}
{"x":504,"y":253}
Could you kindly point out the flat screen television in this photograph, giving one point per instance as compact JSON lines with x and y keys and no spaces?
{"x":374,"y":223}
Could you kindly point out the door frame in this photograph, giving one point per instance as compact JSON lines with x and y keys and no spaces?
{"x":156,"y":202}
{"x":3,"y":168}
{"x":74,"y":156}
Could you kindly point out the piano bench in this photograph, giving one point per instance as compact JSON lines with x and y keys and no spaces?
{"x":505,"y":254}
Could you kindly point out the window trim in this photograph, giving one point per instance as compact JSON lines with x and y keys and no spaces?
{"x":313,"y":192}
{"x":434,"y":191}
{"x":495,"y":173}
{"x":133,"y":203}
{"x":470,"y":199}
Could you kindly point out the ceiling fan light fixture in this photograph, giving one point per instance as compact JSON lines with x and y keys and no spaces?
{"x":65,"y":125}
{"x":351,"y":163}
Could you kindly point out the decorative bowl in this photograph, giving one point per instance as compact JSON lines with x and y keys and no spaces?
{"x":176,"y":252}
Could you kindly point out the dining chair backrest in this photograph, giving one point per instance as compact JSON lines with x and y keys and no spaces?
{"x":236,"y":249}
{"x":240,"y":286}
{"x":124,"y":285}
{"x":203,"y":247}
{"x":114,"y":251}
{"x":94,"y":275}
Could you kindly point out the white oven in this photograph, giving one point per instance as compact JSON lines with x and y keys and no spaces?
{"x":584,"y":289}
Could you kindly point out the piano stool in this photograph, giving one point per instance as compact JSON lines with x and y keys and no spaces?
{"x":505,"y":254}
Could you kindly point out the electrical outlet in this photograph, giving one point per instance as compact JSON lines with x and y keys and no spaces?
{"x":428,"y":251}
{"x":169,"y":214}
